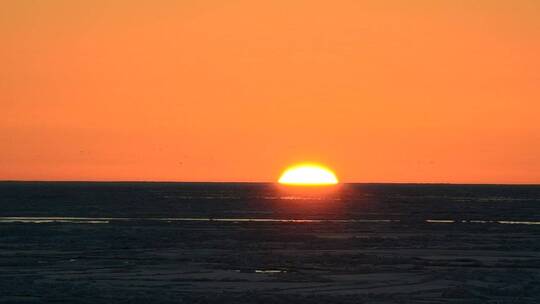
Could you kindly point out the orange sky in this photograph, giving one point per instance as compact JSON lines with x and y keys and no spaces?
{"x":381,"y":91}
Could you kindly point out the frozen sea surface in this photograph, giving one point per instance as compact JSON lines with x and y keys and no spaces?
{"x":260,"y":243}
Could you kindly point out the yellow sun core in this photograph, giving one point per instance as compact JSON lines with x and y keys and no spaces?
{"x":309,"y":175}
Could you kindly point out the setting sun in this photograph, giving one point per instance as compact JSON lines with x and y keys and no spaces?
{"x":308,"y":174}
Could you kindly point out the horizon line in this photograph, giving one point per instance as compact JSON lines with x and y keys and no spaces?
{"x":260,"y":182}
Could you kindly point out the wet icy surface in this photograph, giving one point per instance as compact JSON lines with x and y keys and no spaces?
{"x":192,"y":243}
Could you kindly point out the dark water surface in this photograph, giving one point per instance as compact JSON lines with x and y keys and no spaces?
{"x":263,"y":243}
{"x":256,"y":200}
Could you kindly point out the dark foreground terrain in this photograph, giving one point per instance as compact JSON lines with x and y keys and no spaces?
{"x":255,"y":243}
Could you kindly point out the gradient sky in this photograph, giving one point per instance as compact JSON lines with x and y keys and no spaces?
{"x":381,"y":91}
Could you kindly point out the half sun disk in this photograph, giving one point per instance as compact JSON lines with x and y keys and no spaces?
{"x":308,"y":174}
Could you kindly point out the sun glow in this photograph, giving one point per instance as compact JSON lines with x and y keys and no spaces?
{"x":308,"y":174}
